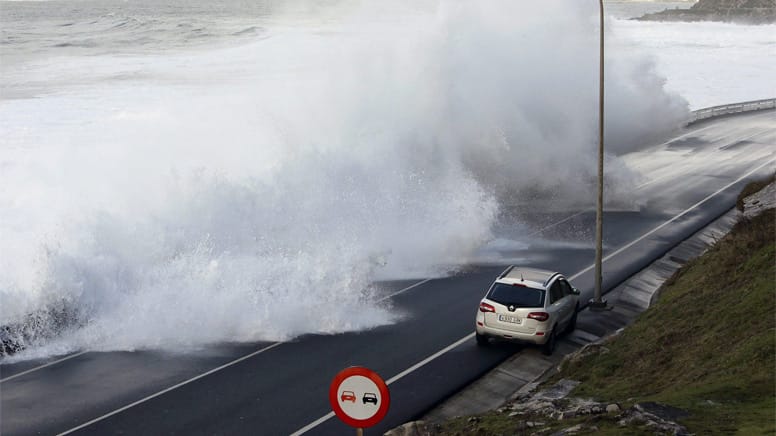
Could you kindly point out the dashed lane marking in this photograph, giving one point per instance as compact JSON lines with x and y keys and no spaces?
{"x":455,"y":344}
{"x":43,"y":366}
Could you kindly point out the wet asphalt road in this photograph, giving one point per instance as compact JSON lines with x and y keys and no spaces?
{"x":280,"y":388}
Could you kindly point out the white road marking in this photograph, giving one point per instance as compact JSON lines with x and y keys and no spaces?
{"x":428,"y":359}
{"x":413,"y":368}
{"x":84,"y":352}
{"x":314,"y":424}
{"x":403,"y":290}
{"x":152,"y":396}
{"x":42,"y":366}
{"x":390,"y":381}
{"x":683,"y":213}
{"x":559,"y":222}
{"x":406,"y":371}
{"x":226,"y":365}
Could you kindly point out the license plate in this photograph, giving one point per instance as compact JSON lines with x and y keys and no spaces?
{"x":510,"y":318}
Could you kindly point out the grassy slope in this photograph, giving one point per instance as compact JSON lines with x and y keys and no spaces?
{"x":708,"y":345}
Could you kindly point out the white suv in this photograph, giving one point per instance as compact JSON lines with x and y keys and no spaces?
{"x":528,"y":305}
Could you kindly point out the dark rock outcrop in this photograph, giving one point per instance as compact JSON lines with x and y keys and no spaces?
{"x":38,"y":327}
{"x":735,"y":11}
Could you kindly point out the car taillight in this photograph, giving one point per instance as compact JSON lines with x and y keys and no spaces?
{"x":539,"y":316}
{"x":485,"y":307}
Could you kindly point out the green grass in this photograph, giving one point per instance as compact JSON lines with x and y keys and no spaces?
{"x":709,"y":344}
{"x":494,"y":424}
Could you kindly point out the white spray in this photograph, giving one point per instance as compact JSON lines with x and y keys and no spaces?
{"x":256,"y":192}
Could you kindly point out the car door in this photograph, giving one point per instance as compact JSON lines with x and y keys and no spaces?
{"x":569,"y":300}
{"x":557,"y":303}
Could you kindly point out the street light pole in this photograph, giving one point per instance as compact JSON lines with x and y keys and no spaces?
{"x":598,"y":302}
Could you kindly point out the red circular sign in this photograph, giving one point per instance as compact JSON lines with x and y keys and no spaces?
{"x":359,"y":397}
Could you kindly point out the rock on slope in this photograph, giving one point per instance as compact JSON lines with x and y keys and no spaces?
{"x":737,"y":11}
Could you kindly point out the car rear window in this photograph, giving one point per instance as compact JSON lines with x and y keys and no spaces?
{"x":520,"y":296}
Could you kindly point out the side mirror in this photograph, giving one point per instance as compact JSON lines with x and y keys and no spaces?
{"x":574,"y":290}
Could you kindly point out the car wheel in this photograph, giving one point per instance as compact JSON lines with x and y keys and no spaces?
{"x":573,"y":321}
{"x":482,"y":340}
{"x":549,"y":346}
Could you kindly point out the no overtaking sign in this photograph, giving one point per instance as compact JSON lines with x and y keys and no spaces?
{"x":359,"y":397}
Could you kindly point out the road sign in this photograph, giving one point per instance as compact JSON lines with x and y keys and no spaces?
{"x":359,"y":397}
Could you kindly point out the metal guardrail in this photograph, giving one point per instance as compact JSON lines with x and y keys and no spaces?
{"x":727,"y":109}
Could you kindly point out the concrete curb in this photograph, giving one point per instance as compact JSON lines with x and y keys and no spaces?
{"x":524,"y":371}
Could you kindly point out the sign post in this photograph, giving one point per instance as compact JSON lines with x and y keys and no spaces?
{"x":359,"y":397}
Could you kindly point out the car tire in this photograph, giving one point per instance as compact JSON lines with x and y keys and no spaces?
{"x":549,"y":346}
{"x":482,"y":340}
{"x":573,"y":321}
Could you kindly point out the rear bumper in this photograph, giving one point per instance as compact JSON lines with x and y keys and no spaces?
{"x":537,"y":338}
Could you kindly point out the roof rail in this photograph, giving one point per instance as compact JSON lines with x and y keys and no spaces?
{"x":506,"y":271}
{"x":550,"y":278}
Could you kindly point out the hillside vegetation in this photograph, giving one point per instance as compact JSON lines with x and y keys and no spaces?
{"x":708,"y":345}
{"x":706,"y":351}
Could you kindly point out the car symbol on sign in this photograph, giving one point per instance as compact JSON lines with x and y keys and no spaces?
{"x":369,"y":398}
{"x":348,"y":396}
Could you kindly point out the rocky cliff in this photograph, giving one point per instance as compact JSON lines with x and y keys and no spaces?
{"x":737,"y":11}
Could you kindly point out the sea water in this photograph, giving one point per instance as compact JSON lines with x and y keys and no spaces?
{"x":179,"y":173}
